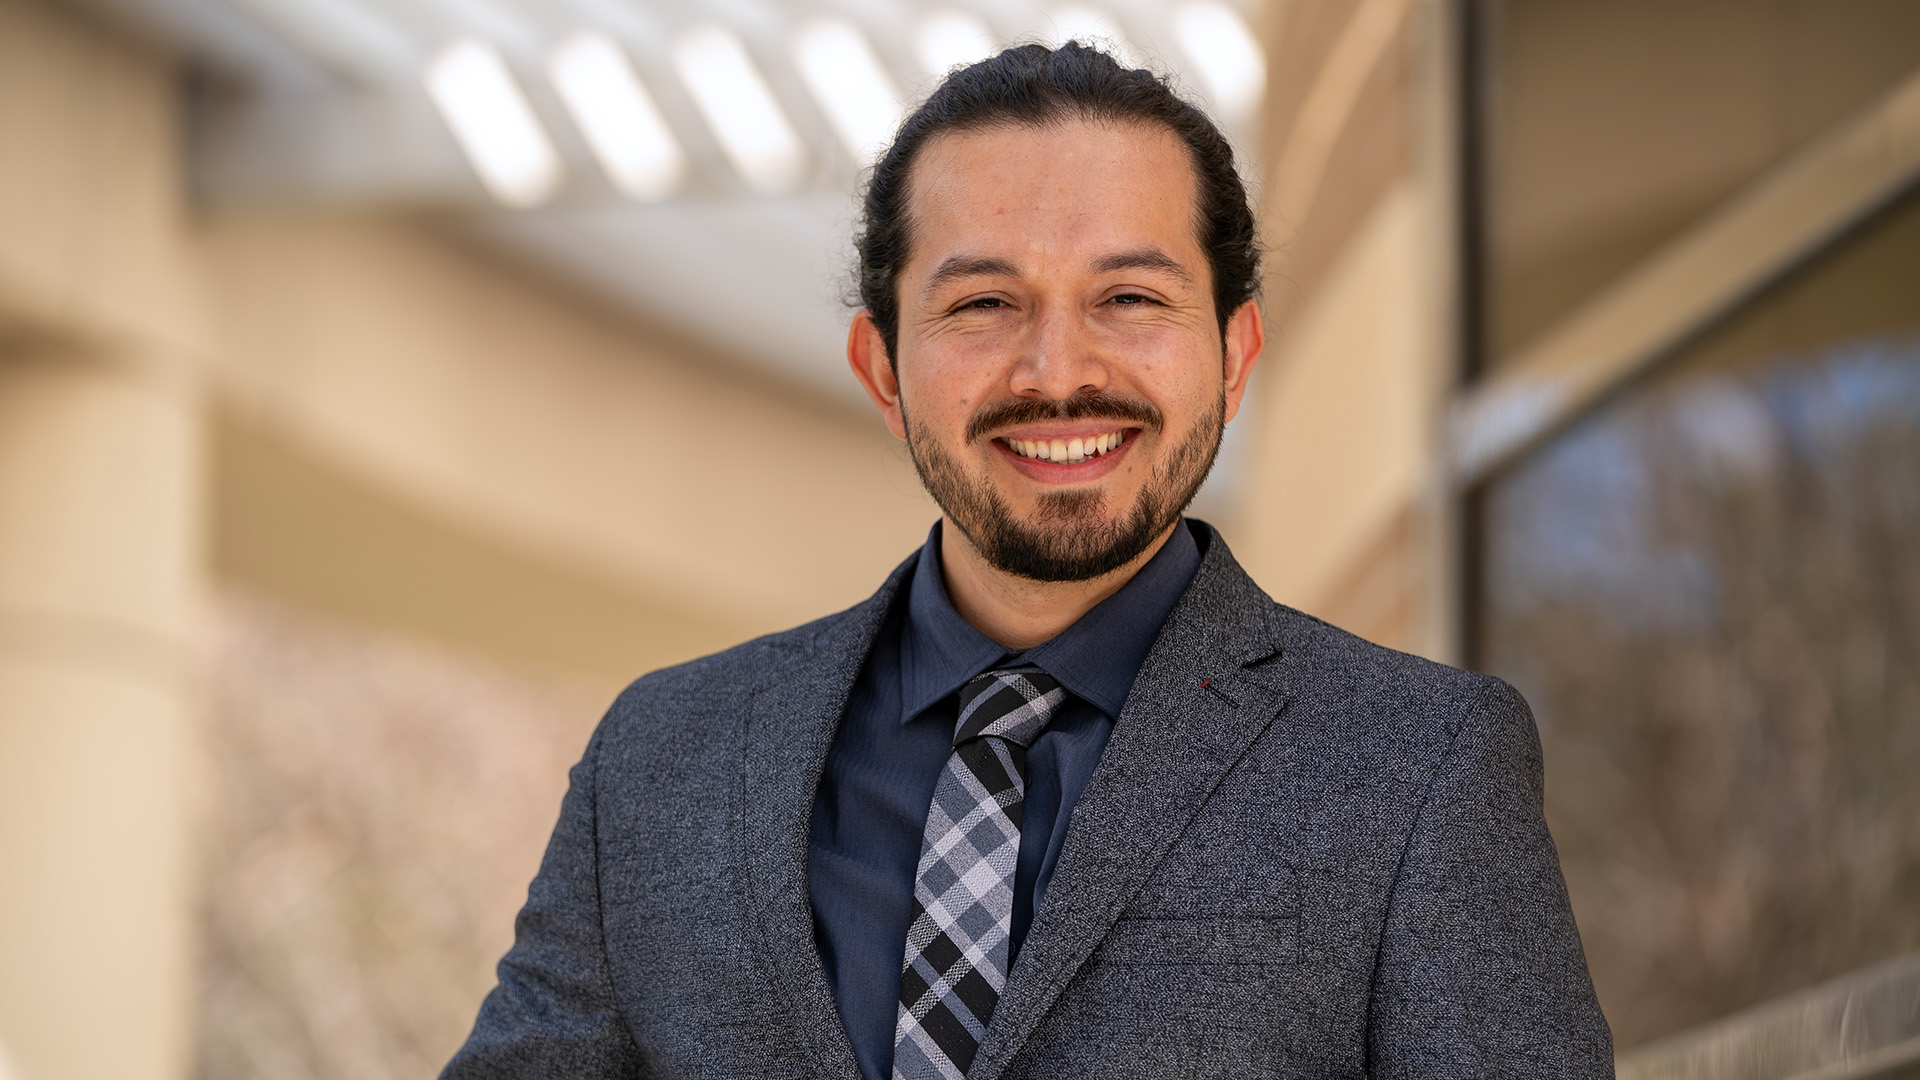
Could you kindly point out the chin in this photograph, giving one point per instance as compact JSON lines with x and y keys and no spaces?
{"x":1067,"y":537}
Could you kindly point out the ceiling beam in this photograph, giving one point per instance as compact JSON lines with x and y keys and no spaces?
{"x":1803,"y":206}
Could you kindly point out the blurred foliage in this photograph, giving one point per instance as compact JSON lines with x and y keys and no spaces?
{"x":378,"y":806}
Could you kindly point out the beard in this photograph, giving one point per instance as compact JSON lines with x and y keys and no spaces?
{"x":1069,"y":536}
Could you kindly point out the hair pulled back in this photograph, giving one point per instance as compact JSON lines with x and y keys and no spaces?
{"x":1034,"y":86}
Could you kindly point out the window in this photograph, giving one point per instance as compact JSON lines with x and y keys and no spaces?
{"x":1709,"y":589}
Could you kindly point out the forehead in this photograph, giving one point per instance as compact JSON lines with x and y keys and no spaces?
{"x":1074,"y":187}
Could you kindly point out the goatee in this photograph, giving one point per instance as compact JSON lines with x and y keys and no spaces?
{"x":1069,"y":536}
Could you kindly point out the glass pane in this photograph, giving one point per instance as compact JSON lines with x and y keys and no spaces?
{"x":1710,"y":592}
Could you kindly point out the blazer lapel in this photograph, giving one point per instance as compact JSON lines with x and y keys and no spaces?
{"x":1193,"y":712}
{"x":790,"y":727}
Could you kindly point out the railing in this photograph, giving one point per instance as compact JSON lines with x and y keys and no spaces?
{"x":1864,"y":1026}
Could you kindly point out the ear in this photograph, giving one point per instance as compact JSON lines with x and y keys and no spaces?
{"x":1246,"y":337}
{"x":867,"y":356}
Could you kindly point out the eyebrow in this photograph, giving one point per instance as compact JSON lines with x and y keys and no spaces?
{"x":1143,"y":259}
{"x":965,"y":266}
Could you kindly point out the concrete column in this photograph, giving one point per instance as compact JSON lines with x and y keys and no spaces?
{"x":99,"y":514}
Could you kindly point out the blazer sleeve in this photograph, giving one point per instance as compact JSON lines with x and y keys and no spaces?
{"x":1480,"y":970}
{"x":553,"y":1012}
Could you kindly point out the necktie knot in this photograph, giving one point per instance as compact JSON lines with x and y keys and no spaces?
{"x":1012,"y":704}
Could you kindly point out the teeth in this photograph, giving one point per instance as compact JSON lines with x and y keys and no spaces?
{"x":1066,"y":451}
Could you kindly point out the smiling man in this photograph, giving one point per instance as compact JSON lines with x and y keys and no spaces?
{"x":1069,"y":796}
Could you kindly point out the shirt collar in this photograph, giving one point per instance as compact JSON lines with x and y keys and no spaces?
{"x":1096,"y":658}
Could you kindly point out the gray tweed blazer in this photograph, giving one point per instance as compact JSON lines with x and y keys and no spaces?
{"x":1302,"y":855}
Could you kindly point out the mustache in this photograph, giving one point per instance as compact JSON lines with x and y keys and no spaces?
{"x":1087,"y":406}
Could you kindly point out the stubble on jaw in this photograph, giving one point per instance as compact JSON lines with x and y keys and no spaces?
{"x":1068,"y":536}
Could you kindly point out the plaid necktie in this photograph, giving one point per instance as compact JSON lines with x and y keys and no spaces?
{"x":958,"y":941}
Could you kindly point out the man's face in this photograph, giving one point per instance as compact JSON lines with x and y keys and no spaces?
{"x":1061,"y":378}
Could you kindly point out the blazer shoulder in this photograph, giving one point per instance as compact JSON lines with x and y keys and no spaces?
{"x":743,"y":668}
{"x":1373,"y":684}
{"x":694,"y":688}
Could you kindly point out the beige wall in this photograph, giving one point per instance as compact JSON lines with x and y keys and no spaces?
{"x":484,"y":395}
{"x":498,"y":408}
{"x":1344,"y":514}
{"x":1349,"y":419}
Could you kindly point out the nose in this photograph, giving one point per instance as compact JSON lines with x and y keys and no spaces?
{"x":1060,"y":358}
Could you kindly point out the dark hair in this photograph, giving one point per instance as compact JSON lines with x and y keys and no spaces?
{"x":1034,"y":86}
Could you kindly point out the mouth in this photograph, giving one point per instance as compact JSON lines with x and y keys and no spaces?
{"x":1069,"y":451}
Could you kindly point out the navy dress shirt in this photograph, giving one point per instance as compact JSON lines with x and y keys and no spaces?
{"x":893,"y":742}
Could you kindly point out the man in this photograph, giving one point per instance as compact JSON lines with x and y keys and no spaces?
{"x":1069,"y":796}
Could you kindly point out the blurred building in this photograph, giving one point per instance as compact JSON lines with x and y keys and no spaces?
{"x":385,"y":382}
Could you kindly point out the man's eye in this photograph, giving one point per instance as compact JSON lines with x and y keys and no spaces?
{"x":1132,"y":298}
{"x":984,"y":302}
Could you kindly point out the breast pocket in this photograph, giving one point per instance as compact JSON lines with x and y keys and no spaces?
{"x":1197,"y":996}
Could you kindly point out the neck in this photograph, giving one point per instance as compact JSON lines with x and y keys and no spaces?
{"x":1020,"y":612}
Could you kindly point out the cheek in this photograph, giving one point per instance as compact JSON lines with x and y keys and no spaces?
{"x":942,"y":390}
{"x":1185,"y":387}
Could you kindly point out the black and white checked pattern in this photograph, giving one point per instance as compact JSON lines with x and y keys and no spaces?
{"x":957,"y":943}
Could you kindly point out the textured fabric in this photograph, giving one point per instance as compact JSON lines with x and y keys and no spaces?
{"x":1301,"y":855}
{"x":957,"y":947}
{"x":894,"y":739}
